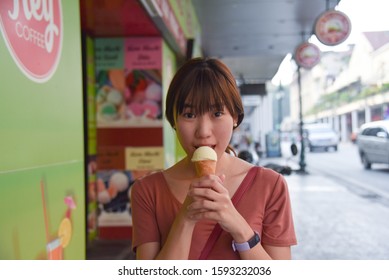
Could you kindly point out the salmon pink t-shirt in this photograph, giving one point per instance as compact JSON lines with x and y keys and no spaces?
{"x":265,"y":205}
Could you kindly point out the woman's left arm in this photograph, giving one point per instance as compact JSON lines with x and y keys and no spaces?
{"x":278,"y":253}
{"x":268,"y":252}
{"x":259,"y":251}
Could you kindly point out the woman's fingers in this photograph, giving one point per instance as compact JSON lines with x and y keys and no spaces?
{"x":208,"y":204}
{"x":208,"y":214}
{"x":203,"y":205}
{"x":208,"y":182}
{"x":208,"y":179}
{"x":203,"y":193}
{"x":208,"y":193}
{"x":210,"y":200}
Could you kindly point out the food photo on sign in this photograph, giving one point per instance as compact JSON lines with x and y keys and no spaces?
{"x":332,"y":27}
{"x":128,"y":82}
{"x":307,"y":55}
{"x":131,"y":95}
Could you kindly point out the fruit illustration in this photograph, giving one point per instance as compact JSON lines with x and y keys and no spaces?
{"x":65,"y":232}
{"x":56,"y":243}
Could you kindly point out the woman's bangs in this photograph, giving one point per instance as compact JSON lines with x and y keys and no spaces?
{"x":205,"y":95}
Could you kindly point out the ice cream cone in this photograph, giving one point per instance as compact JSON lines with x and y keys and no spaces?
{"x":205,"y":167}
{"x":204,"y":159}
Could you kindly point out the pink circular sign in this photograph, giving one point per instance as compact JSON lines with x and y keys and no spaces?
{"x":33,"y":33}
{"x":332,"y":27}
{"x":307,"y":55}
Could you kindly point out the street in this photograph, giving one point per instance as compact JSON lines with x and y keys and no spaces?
{"x":345,"y":165}
{"x":341,"y":211}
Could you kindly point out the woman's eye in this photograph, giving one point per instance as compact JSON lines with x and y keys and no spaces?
{"x":189,"y":115}
{"x":218,"y":114}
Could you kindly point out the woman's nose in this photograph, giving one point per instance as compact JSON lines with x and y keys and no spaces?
{"x":204,"y":127}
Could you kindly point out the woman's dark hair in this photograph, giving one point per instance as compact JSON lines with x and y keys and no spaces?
{"x":207,"y":84}
{"x":246,"y":155}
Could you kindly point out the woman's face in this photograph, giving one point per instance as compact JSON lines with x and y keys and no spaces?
{"x":214,"y":129}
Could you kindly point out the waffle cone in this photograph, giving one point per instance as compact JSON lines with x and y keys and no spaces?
{"x":205,"y":167}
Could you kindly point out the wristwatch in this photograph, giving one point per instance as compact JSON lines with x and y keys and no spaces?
{"x":240,"y":247}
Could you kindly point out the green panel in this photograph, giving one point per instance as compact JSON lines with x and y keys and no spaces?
{"x":91,"y":96}
{"x":92,"y":142}
{"x":22,"y":219}
{"x":186,"y":17}
{"x":169,"y":138}
{"x":41,"y":126}
{"x":41,"y":123}
{"x":173,"y":149}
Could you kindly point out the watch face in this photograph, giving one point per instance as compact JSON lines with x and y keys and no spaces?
{"x":255,"y":240}
{"x":332,"y":27}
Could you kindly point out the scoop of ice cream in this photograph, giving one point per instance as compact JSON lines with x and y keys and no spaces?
{"x":204,"y":159}
{"x":204,"y":153}
{"x":119,"y":181}
{"x":108,"y":111}
{"x":115,"y":97}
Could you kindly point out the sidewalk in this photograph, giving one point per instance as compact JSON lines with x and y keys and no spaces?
{"x":333,"y":223}
{"x":110,"y":250}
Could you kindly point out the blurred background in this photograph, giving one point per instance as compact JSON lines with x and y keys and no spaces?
{"x":82,"y":115}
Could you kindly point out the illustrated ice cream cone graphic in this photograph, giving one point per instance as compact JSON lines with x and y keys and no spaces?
{"x":204,"y":159}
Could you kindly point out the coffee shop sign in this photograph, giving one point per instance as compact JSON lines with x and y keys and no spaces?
{"x":33,"y":34}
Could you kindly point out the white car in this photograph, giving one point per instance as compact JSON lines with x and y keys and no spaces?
{"x":373,"y":143}
{"x":320,"y":135}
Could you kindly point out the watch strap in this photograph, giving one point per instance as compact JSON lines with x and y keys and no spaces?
{"x":245,"y":246}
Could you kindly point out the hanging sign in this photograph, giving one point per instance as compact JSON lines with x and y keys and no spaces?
{"x":332,"y":27}
{"x":307,"y":55}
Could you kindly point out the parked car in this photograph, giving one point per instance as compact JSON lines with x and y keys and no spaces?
{"x":373,"y":143}
{"x":320,"y":135}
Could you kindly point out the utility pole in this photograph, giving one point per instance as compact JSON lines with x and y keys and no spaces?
{"x":279,"y":97}
{"x":301,"y":124}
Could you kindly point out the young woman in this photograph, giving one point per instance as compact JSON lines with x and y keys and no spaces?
{"x":174,"y":212}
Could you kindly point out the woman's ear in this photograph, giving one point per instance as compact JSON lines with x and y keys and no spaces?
{"x":235,"y":123}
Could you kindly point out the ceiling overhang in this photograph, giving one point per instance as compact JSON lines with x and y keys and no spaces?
{"x":253,"y":36}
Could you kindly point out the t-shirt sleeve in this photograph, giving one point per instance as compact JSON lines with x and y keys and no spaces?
{"x":144,"y":224}
{"x":278,"y":227}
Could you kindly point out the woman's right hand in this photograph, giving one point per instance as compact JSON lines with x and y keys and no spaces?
{"x":211,"y":200}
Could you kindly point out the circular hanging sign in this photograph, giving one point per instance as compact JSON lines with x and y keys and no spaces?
{"x":307,"y":55}
{"x":332,"y":27}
